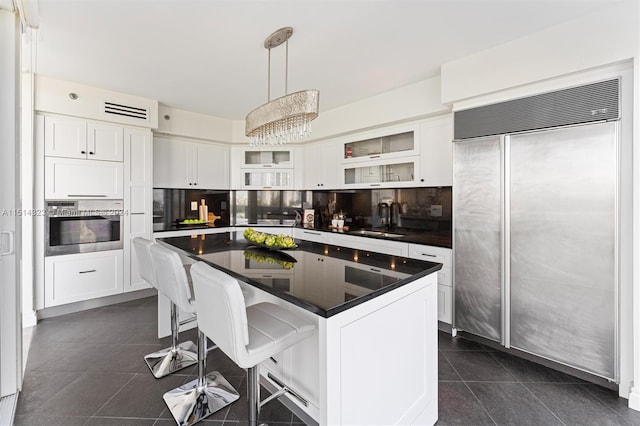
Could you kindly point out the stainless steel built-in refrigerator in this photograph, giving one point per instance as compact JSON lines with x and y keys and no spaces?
{"x":535,"y":241}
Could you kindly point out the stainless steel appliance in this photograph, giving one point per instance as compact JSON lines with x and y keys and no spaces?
{"x":536,"y":240}
{"x":83,"y":226}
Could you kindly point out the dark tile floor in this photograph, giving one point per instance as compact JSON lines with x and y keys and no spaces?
{"x":87,"y":369}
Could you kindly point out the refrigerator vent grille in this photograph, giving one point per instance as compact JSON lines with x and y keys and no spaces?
{"x":576,"y":105}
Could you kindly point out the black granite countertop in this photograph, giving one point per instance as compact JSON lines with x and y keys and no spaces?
{"x":321,"y":278}
{"x":408,"y":235}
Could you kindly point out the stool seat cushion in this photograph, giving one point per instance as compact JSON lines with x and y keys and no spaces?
{"x":273,"y":329}
{"x":172,"y":278}
{"x":247,"y":335}
{"x":142,"y":248}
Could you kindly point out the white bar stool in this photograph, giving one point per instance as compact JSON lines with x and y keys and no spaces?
{"x":247,"y":335}
{"x":211,"y":392}
{"x":178,"y":355}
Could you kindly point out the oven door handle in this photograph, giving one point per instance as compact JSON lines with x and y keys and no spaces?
{"x":11,"y":244}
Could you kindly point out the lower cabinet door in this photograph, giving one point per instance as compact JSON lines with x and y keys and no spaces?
{"x":445,"y":304}
{"x":78,"y":277}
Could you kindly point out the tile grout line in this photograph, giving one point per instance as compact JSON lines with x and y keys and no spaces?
{"x":480,"y":402}
{"x":472,"y":393}
{"x":133,"y":376}
{"x":529,"y":390}
{"x":542,"y":403}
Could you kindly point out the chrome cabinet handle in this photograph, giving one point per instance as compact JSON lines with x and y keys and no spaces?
{"x":429,"y":255}
{"x":87,"y":195}
{"x":311,"y":233}
{"x":87,"y":272}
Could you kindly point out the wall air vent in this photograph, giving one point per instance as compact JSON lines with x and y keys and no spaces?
{"x":126,"y":110}
{"x":576,"y":105}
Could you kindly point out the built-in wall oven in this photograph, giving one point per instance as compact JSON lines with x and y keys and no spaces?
{"x":83,"y":226}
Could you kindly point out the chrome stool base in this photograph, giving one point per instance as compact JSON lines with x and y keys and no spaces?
{"x":192,"y":402}
{"x":169,"y":360}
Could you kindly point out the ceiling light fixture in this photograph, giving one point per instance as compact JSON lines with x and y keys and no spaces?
{"x":285,"y":119}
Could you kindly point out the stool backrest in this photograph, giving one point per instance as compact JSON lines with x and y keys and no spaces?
{"x":142,"y":247}
{"x":172,"y":277}
{"x":222,"y":314}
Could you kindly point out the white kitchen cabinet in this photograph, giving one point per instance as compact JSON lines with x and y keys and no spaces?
{"x":253,"y":158}
{"x":267,"y":179}
{"x":81,"y":139}
{"x":394,"y":248}
{"x":395,"y":173}
{"x":445,"y":281}
{"x":138,"y":199}
{"x":189,"y":165}
{"x":263,"y":169}
{"x":321,"y":166}
{"x":77,"y":277}
{"x":445,"y":304}
{"x":75,"y":178}
{"x":310,"y":235}
{"x":434,"y":254}
{"x":382,"y":144}
{"x":436,"y":146}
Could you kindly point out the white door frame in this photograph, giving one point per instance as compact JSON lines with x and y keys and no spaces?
{"x":10,"y":321}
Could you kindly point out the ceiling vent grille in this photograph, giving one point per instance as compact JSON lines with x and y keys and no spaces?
{"x":576,"y":105}
{"x":126,"y":110}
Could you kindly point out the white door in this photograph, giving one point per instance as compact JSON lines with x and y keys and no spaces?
{"x":10,"y":332}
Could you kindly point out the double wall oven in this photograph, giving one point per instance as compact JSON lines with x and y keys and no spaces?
{"x":83,"y":226}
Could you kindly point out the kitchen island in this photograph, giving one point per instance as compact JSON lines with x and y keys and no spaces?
{"x":373,"y":357}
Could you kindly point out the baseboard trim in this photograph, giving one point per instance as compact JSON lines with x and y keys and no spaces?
{"x":29,"y":319}
{"x":100,"y":302}
{"x":634,"y":398}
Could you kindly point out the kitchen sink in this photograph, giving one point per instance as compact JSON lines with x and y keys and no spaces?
{"x":376,"y":233}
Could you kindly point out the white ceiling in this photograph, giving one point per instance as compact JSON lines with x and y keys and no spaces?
{"x":208,"y":56}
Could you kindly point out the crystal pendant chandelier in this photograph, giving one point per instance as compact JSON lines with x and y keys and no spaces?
{"x":285,"y":119}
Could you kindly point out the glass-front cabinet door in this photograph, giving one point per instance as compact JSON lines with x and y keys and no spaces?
{"x":267,"y":179}
{"x":381,"y":173}
{"x":390,"y":143}
{"x":277,"y":158}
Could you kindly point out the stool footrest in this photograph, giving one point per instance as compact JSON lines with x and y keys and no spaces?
{"x":283,"y":389}
{"x":190,"y":403}
{"x":167,"y":361}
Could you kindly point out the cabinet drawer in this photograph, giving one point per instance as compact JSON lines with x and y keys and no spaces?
{"x":78,"y":277}
{"x":310,"y":235}
{"x":430,"y":253}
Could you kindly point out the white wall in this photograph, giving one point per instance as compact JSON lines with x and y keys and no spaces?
{"x":603,"y":37}
{"x":411,"y":102}
{"x":193,"y":125}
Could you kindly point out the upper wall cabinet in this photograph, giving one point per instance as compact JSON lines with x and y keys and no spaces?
{"x":385,"y":158}
{"x":263,"y":168}
{"x":275,"y":158}
{"x":187,"y":165}
{"x":74,"y":138}
{"x":321,"y":162}
{"x":436,"y":148}
{"x":382,"y":144}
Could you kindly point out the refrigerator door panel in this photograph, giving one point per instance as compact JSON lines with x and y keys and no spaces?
{"x":563,"y":186}
{"x":477,"y":236}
